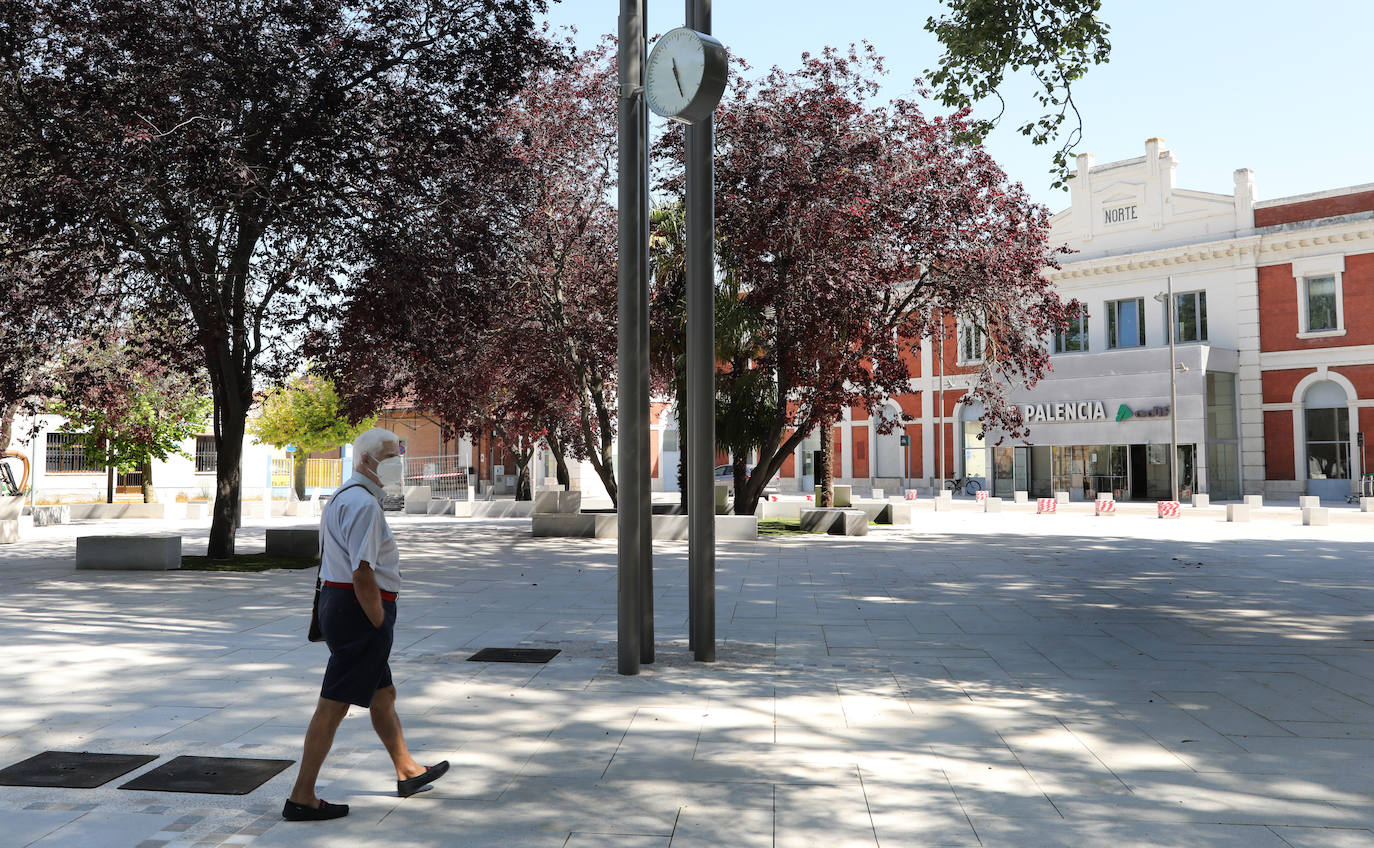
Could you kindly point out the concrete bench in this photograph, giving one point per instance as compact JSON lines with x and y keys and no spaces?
{"x":417,"y":500}
{"x":584,"y":525}
{"x":557,"y":501}
{"x":844,"y":496}
{"x":46,"y":516}
{"x":301,"y":542}
{"x":885,"y":513}
{"x":836,"y":522}
{"x":128,"y":553}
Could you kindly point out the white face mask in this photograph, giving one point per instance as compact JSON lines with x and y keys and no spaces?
{"x":391,"y":472}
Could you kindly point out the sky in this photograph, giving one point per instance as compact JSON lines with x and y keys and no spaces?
{"x":1281,"y":88}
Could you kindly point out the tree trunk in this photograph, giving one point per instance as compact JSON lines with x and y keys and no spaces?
{"x":825,"y":467}
{"x":7,"y":424}
{"x":741,"y":469}
{"x":301,"y":459}
{"x":231,"y":414}
{"x":146,"y":472}
{"x":560,"y":461}
{"x":522,"y":478}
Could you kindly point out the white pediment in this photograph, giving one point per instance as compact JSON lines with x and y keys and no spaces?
{"x":1134,"y":204}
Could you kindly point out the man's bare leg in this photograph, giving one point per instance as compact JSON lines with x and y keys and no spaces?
{"x":319,"y":738}
{"x":388,"y":727}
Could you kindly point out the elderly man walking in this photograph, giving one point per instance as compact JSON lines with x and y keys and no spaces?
{"x":361,"y":570}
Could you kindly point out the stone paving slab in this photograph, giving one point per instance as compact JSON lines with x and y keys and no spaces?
{"x":1015,"y":680}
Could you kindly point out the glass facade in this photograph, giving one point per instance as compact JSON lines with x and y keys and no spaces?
{"x":975,"y":454}
{"x":1223,"y":437}
{"x":1328,"y":443}
{"x":1090,"y":470}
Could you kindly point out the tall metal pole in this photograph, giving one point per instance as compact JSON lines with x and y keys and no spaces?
{"x":940,"y":410}
{"x":701,"y":373}
{"x":643,"y":477}
{"x":633,"y":382}
{"x":1173,"y":397}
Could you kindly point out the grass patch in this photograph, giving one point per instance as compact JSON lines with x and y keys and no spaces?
{"x":246,"y":562}
{"x":781,"y":527}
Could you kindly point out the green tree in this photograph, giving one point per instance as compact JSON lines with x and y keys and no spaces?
{"x":1056,"y":40}
{"x":128,"y":406}
{"x":306,"y":413}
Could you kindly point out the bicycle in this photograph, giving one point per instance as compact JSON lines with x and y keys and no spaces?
{"x":969,"y":485}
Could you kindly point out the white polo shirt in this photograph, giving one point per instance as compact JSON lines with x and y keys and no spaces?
{"x":353,"y":530}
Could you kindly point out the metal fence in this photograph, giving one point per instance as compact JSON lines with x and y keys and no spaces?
{"x":319,"y":473}
{"x":445,"y":476}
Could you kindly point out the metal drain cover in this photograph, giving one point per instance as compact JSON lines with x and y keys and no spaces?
{"x":209,"y":775}
{"x":71,"y":769}
{"x":514,"y":655}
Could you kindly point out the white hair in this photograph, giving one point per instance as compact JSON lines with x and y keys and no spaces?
{"x":371,"y":443}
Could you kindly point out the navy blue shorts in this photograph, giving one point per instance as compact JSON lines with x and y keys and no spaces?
{"x":358,"y":652}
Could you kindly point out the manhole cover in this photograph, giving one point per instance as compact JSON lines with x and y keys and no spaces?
{"x":72,"y":770}
{"x":514,"y":655}
{"x":209,"y":775}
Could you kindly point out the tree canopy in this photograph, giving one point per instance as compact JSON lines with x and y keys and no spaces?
{"x":1056,"y":40}
{"x":237,"y":161}
{"x":853,"y":230}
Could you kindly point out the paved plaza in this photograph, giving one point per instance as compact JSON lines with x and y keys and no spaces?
{"x":973,"y":680}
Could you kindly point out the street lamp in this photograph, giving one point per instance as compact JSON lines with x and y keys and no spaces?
{"x":1167,"y":298}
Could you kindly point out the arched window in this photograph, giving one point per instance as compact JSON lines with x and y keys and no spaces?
{"x":1326,"y":428}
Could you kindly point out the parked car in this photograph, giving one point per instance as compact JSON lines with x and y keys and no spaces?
{"x":725,"y":476}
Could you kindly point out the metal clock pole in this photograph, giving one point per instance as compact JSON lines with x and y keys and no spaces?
{"x":701,"y":372}
{"x":1173,"y":396}
{"x":633,"y":389}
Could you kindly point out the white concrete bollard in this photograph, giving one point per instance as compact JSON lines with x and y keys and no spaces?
{"x":1255,"y":501}
{"x":1316,"y":516}
{"x":992,"y":505}
{"x":1309,"y":502}
{"x":879,"y":494}
{"x":1020,"y":497}
{"x":1202,"y":500}
{"x":1104,"y":506}
{"x":1062,"y":497}
{"x":1366,"y":504}
{"x":1238,"y":512}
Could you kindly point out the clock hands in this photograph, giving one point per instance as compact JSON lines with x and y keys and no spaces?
{"x":678,"y":79}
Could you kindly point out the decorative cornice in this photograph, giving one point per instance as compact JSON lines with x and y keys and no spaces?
{"x":1240,"y":250}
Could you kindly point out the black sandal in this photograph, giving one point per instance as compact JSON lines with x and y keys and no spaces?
{"x":300,"y":812}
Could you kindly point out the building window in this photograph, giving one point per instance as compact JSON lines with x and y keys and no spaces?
{"x":1328,"y":443}
{"x":1321,"y":310}
{"x":1190,"y":317}
{"x":1074,"y":339}
{"x":971,"y":343}
{"x":1320,"y":294}
{"x":63,"y":453}
{"x":1126,"y":323}
{"x":207,"y":458}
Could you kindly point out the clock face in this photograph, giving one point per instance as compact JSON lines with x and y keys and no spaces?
{"x":685,"y":75}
